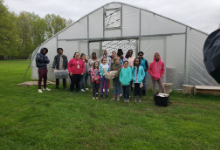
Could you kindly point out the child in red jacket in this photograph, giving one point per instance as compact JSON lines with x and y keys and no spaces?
{"x":156,"y":70}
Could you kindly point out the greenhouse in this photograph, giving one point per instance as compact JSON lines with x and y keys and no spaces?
{"x":119,"y":25}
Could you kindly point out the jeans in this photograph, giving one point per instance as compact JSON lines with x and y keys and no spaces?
{"x":116,"y":86}
{"x":95,"y":89}
{"x":104,"y":81}
{"x":58,"y":82}
{"x":144,"y":81}
{"x":137,"y":89}
{"x":126,"y":91}
{"x":75,"y":78}
{"x":160,"y":84}
{"x":84,"y":77}
{"x":42,"y":73}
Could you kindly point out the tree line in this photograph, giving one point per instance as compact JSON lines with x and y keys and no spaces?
{"x":20,"y":34}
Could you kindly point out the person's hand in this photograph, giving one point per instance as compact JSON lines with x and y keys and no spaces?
{"x":53,"y":70}
{"x":88,"y":57}
{"x":219,"y":26}
{"x":71,"y":73}
{"x":112,"y":75}
{"x":81,"y":73}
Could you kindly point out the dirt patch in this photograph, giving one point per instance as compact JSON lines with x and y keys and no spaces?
{"x":31,"y":83}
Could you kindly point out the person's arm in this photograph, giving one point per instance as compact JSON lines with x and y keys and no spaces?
{"x":83,"y":67}
{"x":69,"y":66}
{"x":142,"y":74}
{"x":162,"y":70}
{"x":118,"y":72}
{"x":39,"y":58}
{"x":54,"y":63}
{"x":150,"y":69}
{"x":46,"y":60}
{"x":146,"y":64}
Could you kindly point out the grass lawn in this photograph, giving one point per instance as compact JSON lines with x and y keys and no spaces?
{"x":58,"y":120}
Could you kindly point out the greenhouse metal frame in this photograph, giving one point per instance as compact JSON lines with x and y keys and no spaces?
{"x":179,"y":45}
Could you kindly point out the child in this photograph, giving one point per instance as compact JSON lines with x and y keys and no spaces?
{"x":95,"y":79}
{"x":125,"y":79}
{"x":104,"y":68}
{"x":137,"y":77}
{"x":156,"y":70}
{"x":116,"y":84}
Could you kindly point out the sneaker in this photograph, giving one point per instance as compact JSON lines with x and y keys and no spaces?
{"x":40,"y":91}
{"x":82,"y":90}
{"x":71,"y":92}
{"x":97,"y":98}
{"x":46,"y":89}
{"x":93,"y":98}
{"x":125,"y":100}
{"x":128,"y":100}
{"x":139,"y":101}
{"x":135,"y":99}
{"x":87,"y":89}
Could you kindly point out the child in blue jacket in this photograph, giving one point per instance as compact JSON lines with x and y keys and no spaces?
{"x":125,"y":78}
{"x":138,"y":75}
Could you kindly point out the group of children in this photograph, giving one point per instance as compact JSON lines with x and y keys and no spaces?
{"x":121,"y":79}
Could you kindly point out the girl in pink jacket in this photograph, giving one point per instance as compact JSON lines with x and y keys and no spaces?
{"x":156,"y":70}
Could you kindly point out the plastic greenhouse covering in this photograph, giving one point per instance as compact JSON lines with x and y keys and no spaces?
{"x":119,"y":25}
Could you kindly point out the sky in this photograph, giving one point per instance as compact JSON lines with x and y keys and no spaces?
{"x":203,"y":15}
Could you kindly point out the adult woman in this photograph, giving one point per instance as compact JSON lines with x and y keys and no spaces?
{"x":85,"y":75}
{"x":114,"y":55}
{"x":144,"y":64}
{"x":76,"y":69}
{"x":90,"y":64}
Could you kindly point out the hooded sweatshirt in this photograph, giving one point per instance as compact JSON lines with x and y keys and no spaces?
{"x":76,"y":66}
{"x":156,"y":69}
{"x":41,"y":59}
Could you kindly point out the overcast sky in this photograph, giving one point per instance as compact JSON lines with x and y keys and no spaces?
{"x":200,"y":14}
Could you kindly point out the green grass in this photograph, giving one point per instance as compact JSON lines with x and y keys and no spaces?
{"x":58,"y":120}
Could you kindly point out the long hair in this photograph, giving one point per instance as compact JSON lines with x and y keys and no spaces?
{"x":138,"y":64}
{"x":120,"y":52}
{"x":103,"y":58}
{"x":93,"y":66}
{"x":82,"y":56}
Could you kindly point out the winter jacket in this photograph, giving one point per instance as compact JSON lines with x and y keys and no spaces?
{"x":109,"y":60}
{"x":121,"y":61}
{"x":125,"y":76}
{"x":144,"y":64}
{"x":73,"y":66}
{"x":93,"y":75}
{"x":138,"y":77}
{"x":156,"y":69}
{"x":56,"y":62}
{"x":116,"y":67}
{"x":103,"y":69}
{"x":41,"y":59}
